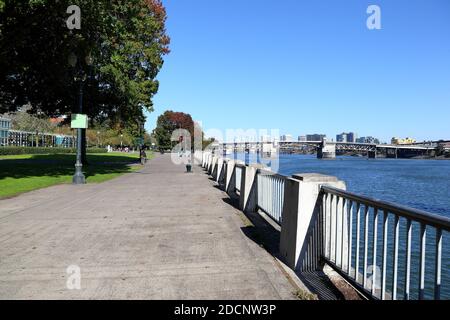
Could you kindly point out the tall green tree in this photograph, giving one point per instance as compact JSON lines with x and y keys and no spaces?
{"x":126,"y":39}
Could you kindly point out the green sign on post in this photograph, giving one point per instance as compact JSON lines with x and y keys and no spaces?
{"x":79,"y":121}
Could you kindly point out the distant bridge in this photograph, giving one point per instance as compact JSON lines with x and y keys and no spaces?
{"x":328,"y":149}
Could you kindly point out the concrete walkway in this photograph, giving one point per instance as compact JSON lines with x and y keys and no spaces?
{"x":155,"y":234}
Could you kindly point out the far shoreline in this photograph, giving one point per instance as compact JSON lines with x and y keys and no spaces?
{"x":356,"y":155}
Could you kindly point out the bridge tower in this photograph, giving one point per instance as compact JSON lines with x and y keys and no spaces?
{"x":326,"y":150}
{"x":372,"y":154}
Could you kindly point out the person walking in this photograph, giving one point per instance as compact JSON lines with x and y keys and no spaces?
{"x":143,"y":155}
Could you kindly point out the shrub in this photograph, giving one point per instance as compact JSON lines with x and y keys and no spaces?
{"x":44,"y":150}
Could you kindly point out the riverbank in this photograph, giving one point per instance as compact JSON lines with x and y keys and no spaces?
{"x":379,"y":156}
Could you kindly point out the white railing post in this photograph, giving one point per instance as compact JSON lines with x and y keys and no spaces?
{"x":300,"y":213}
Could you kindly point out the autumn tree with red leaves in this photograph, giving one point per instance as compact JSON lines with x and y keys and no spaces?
{"x":167,"y":123}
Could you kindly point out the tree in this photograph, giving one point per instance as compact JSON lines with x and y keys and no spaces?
{"x":126,"y":39}
{"x":207,"y":142}
{"x":25,"y":121}
{"x":168,"y":122}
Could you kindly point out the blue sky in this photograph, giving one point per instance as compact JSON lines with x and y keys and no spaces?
{"x":309,"y":66}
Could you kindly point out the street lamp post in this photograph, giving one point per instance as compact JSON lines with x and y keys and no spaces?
{"x":78,"y":177}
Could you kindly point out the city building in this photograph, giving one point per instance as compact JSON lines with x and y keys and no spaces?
{"x":341,"y":137}
{"x":302,"y":138}
{"x":402,"y":141}
{"x":266,"y":138}
{"x":346,"y":137}
{"x":367,"y":139}
{"x":286,"y":138}
{"x":352,"y":136}
{"x":315,"y":137}
{"x":444,"y":147}
{"x":5,"y":126}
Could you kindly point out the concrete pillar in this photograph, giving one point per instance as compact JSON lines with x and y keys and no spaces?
{"x":210,"y":160}
{"x":220,"y":164}
{"x":266,"y":148}
{"x":326,"y":151}
{"x":229,"y":176}
{"x":210,"y":163}
{"x":372,"y":154}
{"x":213,"y":166}
{"x":301,"y":228}
{"x":206,"y":159}
{"x":205,"y":155}
{"x":248,"y":196}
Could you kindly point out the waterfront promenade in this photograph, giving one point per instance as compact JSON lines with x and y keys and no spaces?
{"x":158,"y":233}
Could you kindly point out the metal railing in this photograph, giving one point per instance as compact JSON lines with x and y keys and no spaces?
{"x":238,"y":178}
{"x":271,"y":194}
{"x":381,"y":248}
{"x":33,"y":139}
{"x":385,"y":250}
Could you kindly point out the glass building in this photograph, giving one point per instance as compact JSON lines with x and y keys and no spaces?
{"x":17,"y":138}
{"x":5,"y":125}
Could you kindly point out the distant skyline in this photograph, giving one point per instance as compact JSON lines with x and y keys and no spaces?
{"x":308,"y":67}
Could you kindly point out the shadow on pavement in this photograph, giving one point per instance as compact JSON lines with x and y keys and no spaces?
{"x":266,"y":236}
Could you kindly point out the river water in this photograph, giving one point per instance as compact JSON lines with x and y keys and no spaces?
{"x":420,"y":184}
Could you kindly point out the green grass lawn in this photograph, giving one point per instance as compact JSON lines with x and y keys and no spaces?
{"x":24,"y":173}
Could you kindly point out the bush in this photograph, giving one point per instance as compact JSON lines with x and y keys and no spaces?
{"x":44,"y":150}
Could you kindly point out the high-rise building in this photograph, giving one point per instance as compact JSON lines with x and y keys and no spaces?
{"x":341,"y":137}
{"x":368,"y":139}
{"x":351,"y":137}
{"x":315,"y":137}
{"x":286,"y":138}
{"x":346,"y":137}
{"x":302,"y":138}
